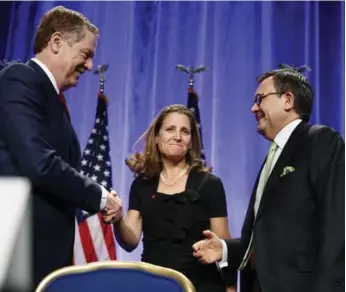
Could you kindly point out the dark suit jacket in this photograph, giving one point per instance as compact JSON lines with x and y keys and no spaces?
{"x":299,"y":232}
{"x":37,"y":141}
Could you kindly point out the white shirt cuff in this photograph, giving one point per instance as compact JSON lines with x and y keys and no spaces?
{"x":223,"y":263}
{"x":103,"y":198}
{"x":84,"y":214}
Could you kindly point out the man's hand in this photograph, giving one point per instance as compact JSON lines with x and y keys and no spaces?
{"x":208,"y":250}
{"x":113,"y":210}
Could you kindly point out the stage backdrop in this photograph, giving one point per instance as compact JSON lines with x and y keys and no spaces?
{"x":143,"y":42}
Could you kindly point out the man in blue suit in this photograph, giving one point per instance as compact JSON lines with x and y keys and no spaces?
{"x":37,"y":140}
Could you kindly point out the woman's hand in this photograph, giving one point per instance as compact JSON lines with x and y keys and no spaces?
{"x":118,"y":215}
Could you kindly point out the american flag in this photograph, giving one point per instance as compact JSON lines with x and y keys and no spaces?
{"x":192,"y":104}
{"x":94,"y":240}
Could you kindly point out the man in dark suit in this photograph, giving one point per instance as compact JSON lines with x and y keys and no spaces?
{"x":293,"y":237}
{"x":37,"y":140}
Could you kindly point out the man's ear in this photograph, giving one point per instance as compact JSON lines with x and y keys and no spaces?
{"x":289,"y":101}
{"x":55,"y":42}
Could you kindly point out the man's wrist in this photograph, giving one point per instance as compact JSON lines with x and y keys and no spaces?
{"x":223,"y":263}
{"x":104,"y":197}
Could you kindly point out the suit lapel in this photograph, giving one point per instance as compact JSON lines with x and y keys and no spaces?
{"x":283,"y":161}
{"x":74,"y":151}
{"x":50,"y":90}
{"x":48,"y":84}
{"x":250,"y":215}
{"x":52,"y":95}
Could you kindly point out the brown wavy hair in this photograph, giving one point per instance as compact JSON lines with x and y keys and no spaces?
{"x":148,"y":163}
{"x":66,"y":21}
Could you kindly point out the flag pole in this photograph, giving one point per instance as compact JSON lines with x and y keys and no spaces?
{"x":101,"y":72}
{"x":191,"y":71}
{"x":192,"y":98}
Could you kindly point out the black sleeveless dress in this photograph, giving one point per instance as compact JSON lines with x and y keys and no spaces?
{"x":173,"y":223}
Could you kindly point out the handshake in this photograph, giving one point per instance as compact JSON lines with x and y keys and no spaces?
{"x":113,"y":210}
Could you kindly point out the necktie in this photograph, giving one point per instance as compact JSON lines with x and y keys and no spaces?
{"x":265,"y":175}
{"x":63,"y":101}
{"x":262,"y":182}
{"x":269,"y":161}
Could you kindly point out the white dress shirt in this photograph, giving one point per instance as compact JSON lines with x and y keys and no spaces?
{"x":48,"y":73}
{"x":280,"y":140}
{"x":52,"y":79}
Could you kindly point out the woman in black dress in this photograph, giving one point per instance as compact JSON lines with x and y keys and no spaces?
{"x":173,"y":198}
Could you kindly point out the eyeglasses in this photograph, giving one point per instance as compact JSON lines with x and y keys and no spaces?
{"x":259,"y":96}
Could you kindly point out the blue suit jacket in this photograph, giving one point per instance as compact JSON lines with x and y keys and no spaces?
{"x":37,"y":141}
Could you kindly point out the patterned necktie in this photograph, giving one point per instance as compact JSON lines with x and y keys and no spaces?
{"x":63,"y":101}
{"x":262,"y":182}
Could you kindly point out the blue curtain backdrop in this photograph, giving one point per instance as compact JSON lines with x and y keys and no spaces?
{"x":143,"y":42}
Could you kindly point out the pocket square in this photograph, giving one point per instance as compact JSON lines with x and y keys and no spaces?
{"x":286,"y":170}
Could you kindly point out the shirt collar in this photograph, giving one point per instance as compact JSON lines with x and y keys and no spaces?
{"x":49,"y":74}
{"x":283,"y":136}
